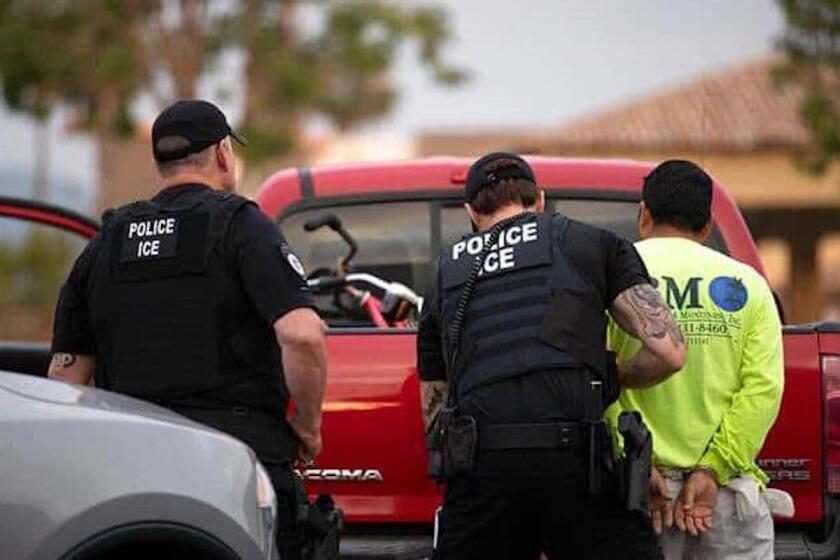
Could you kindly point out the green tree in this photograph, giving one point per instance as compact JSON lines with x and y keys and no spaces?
{"x":85,"y":53}
{"x":811,"y":45}
{"x":30,"y":80}
{"x":97,"y":56}
{"x":32,"y":268}
{"x":340,"y":71}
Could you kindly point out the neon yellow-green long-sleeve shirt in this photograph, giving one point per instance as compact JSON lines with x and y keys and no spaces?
{"x":718,"y":409}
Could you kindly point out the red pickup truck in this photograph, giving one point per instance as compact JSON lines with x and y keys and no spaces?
{"x":400,"y":214}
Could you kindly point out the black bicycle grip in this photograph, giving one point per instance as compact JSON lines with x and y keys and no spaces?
{"x":330,"y":220}
{"x":328,"y":283}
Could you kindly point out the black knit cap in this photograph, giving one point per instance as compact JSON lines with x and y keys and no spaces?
{"x":679,"y":193}
{"x":197,"y":124}
{"x":479,"y":177}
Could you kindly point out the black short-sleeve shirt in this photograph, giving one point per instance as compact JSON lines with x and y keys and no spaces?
{"x":270,"y":273}
{"x":610,"y":262}
{"x":72,"y":328}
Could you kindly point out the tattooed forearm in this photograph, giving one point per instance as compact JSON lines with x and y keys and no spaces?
{"x":642,"y":371}
{"x":641,"y":312}
{"x":433,"y":395}
{"x":651,"y":317}
{"x":63,"y":360}
{"x":72,"y":368}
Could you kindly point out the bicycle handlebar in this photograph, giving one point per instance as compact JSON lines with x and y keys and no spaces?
{"x":330,"y":220}
{"x":335,"y":282}
{"x":334,"y":223}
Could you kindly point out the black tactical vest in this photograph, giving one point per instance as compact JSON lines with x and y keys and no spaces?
{"x":174,"y":326}
{"x":531,"y":311}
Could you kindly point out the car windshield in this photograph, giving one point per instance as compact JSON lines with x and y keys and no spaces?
{"x":398,"y":240}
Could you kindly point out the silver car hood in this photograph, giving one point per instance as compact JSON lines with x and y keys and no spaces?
{"x":76,"y":462}
{"x":43,"y":390}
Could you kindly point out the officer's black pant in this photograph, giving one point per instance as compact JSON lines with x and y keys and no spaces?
{"x":289,"y":538}
{"x":516,"y":505}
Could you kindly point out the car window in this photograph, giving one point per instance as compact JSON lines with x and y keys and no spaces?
{"x":617,"y":216}
{"x":394,"y":240}
{"x":399,"y":240}
{"x":34,"y":262}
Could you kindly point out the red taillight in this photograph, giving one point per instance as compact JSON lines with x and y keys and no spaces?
{"x":831,"y":373}
{"x":831,"y":382}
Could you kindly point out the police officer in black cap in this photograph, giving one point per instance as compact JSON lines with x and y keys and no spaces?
{"x":193,"y":300}
{"x":515,"y":376}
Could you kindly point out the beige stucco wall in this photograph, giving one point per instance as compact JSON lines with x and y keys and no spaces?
{"x":126,"y":171}
{"x":759,"y":179}
{"x":763,"y":179}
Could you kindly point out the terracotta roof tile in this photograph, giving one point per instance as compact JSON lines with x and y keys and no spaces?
{"x":741,"y":109}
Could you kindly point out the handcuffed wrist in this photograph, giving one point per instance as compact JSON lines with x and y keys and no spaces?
{"x":708,"y":470}
{"x":718,"y":464}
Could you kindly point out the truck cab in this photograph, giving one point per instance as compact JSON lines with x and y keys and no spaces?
{"x":401,"y":214}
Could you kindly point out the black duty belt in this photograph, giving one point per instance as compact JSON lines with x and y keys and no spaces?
{"x":212,"y":414}
{"x":561,"y":435}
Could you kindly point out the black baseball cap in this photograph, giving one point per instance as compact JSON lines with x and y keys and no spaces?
{"x":479,"y":176}
{"x":196,"y":123}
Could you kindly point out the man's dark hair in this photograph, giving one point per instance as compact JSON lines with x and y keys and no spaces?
{"x":679,"y":193}
{"x":505,"y":191}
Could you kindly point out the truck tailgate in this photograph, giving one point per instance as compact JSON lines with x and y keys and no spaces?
{"x":793,"y":454}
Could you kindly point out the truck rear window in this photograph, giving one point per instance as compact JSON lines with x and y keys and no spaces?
{"x":398,"y":240}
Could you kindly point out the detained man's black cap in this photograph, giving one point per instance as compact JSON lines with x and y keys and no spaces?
{"x":193,"y":125}
{"x":479,"y":176}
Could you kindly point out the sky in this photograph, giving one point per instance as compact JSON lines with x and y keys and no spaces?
{"x":532,"y":63}
{"x":542,"y":62}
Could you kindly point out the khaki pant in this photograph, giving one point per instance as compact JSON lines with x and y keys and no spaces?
{"x":742,"y":527}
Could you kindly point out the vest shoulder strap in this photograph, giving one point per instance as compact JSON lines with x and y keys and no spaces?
{"x":107,"y":216}
{"x":232,"y":202}
{"x":226,"y":207}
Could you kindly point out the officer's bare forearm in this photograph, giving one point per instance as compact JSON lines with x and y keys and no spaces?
{"x":300,"y":334}
{"x":644,"y":370}
{"x":305,"y":369}
{"x":433,"y":395}
{"x":641,"y":312}
{"x":72,"y":368}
